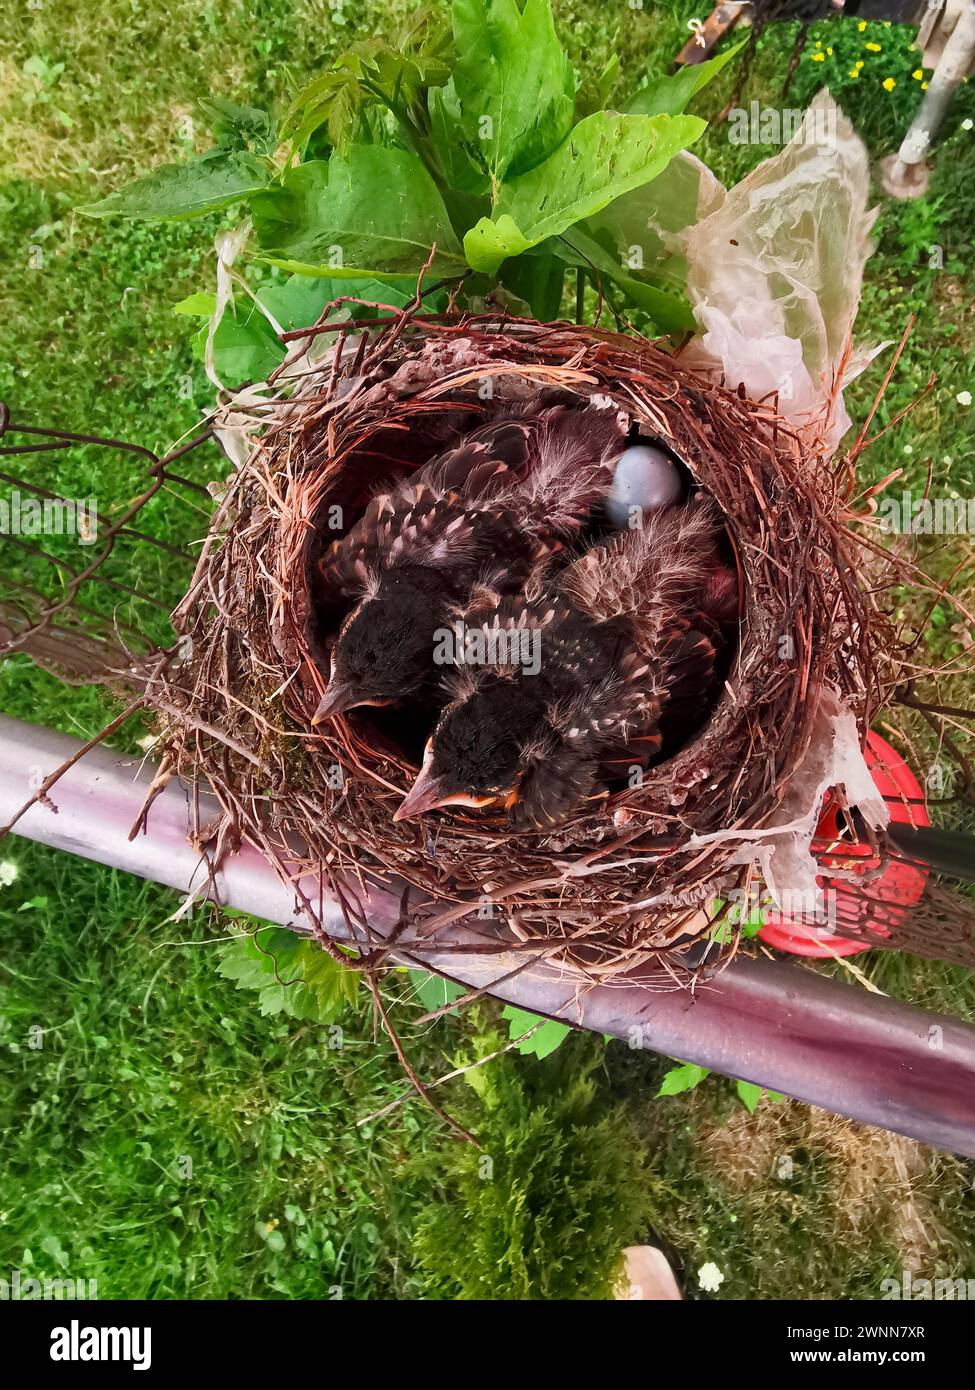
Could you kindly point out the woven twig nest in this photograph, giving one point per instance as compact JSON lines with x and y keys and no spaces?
{"x":629,"y":875}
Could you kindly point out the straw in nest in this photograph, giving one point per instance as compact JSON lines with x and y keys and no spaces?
{"x":630,"y":877}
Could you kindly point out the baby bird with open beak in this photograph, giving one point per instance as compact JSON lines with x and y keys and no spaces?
{"x":507,"y":497}
{"x":630,"y":633}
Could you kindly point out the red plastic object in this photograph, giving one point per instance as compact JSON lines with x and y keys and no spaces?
{"x":900,"y":884}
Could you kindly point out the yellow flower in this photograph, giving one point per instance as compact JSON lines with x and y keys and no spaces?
{"x":854,"y":72}
{"x":818,"y":44}
{"x":862,"y":25}
{"x":873,"y":47}
{"x":858,"y":63}
{"x":918,"y":74}
{"x":819,"y":57}
{"x":888,"y":84}
{"x":924,"y":86}
{"x":830,"y":52}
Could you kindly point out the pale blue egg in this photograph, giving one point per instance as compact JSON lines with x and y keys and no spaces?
{"x":645,"y":478}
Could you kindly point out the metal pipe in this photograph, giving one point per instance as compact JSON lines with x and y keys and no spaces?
{"x":906,"y":175}
{"x":781,"y":1026}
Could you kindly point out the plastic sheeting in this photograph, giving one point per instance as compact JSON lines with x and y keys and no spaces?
{"x":775,"y":271}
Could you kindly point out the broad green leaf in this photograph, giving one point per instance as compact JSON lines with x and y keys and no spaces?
{"x":236,"y":127}
{"x":594,"y":93}
{"x":351,"y":275}
{"x":670,"y":312}
{"x":373,"y":209}
{"x":538,"y":280}
{"x":748,"y":1094}
{"x":245,"y":346}
{"x":544,"y":1040}
{"x":604,"y":157}
{"x":515,"y":85}
{"x":459,"y":158}
{"x":669,"y":95}
{"x":298,"y":301}
{"x":490,"y":242}
{"x":682,"y":1078}
{"x":197,"y":306}
{"x":672,"y":202}
{"x":308,"y":983}
{"x":187,"y":190}
{"x":294,"y":303}
{"x":433,"y":991}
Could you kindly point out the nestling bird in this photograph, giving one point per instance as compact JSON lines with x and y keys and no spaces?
{"x":507,"y":497}
{"x":630,"y":632}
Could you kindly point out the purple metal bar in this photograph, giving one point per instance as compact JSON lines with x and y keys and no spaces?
{"x":781,"y":1026}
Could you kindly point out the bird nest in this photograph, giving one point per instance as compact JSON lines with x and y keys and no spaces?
{"x":627,"y":877}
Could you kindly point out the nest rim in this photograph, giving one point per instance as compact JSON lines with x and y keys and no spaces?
{"x":612,"y":887}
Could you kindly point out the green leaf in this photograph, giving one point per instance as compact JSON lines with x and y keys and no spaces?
{"x":334,"y":101}
{"x":604,"y":157}
{"x":298,"y":301}
{"x":197,"y":306}
{"x":245,"y":346}
{"x":543,"y":1041}
{"x":351,"y":275}
{"x":186,"y":190}
{"x":748,"y":1094}
{"x":273,"y":1239}
{"x":374,"y":209}
{"x":43,"y":71}
{"x":515,"y":85}
{"x":236,"y":127}
{"x":311,"y":985}
{"x":55,"y":1250}
{"x":376,"y":72}
{"x":736,"y":921}
{"x":670,"y":95}
{"x":670,"y":312}
{"x":594,"y":93}
{"x":538,"y":280}
{"x":433,"y":991}
{"x":489,"y":243}
{"x":672,"y":202}
{"x":682,"y":1078}
{"x":460,"y":158}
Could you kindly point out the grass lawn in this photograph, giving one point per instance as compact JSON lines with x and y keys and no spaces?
{"x":159,"y":1134}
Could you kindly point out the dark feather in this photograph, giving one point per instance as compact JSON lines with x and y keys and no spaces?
{"x":495,"y":507}
{"x":629,"y":651}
